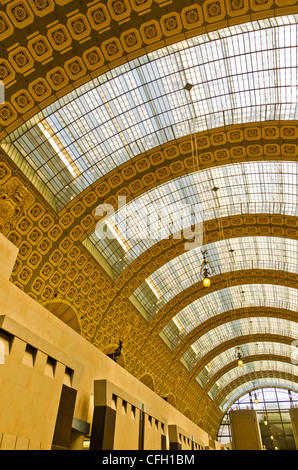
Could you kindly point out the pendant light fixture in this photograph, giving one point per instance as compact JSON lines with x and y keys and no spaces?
{"x":239,"y":356}
{"x":206,"y":270}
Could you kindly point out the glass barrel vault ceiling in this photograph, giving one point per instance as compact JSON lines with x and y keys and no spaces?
{"x":249,"y":349}
{"x":243,"y":188}
{"x":240,"y":74}
{"x":246,"y":296}
{"x":236,"y":329}
{"x":257,"y":383}
{"x":184,"y":270}
{"x":250,"y":367}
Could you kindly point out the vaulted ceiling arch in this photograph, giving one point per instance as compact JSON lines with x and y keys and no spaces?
{"x":75,"y":56}
{"x":259,"y":353}
{"x":278,"y":372}
{"x":279,"y":290}
{"x":216,"y":379}
{"x":189,"y":347}
{"x":256,"y":377}
{"x":78,"y":169}
{"x":51,"y":69}
{"x":172,"y":211}
{"x":233,"y":343}
{"x":256,"y":142}
{"x":230,"y":315}
{"x":255,"y":369}
{"x":237,"y":278}
{"x":249,"y":387}
{"x":260,"y":382}
{"x":183,"y":271}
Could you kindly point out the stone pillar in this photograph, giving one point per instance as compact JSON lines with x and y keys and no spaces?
{"x":63,"y":427}
{"x":104,"y":417}
{"x":175,"y":441}
{"x":103,"y":428}
{"x":246,"y":434}
{"x":294,"y":420}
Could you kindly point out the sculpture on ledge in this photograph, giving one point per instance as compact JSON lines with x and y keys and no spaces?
{"x":117,"y":352}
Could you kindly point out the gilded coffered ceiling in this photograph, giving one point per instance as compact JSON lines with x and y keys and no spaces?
{"x":166,"y":105}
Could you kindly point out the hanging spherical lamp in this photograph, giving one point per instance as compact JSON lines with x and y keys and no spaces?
{"x":206,"y":270}
{"x":239,"y":355}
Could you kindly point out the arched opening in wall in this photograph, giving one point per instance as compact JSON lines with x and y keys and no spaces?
{"x":148,"y":380}
{"x":187,"y":413}
{"x":170,"y":398}
{"x":65,"y":312}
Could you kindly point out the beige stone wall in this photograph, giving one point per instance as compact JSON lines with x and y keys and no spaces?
{"x":245,"y":429}
{"x":42,"y":353}
{"x":185,"y":439}
{"x":128,"y":418}
{"x":294,"y":420}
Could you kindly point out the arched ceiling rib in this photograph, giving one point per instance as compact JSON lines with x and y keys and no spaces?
{"x":223,"y":228}
{"x":139,"y":107}
{"x":230,"y":290}
{"x":253,"y":324}
{"x":184,"y":270}
{"x":258,"y":364}
{"x":73,"y":46}
{"x":201,"y":349}
{"x":255,"y":384}
{"x":259,"y":187}
{"x":227,"y":359}
{"x":260,"y":377}
{"x":274,"y":141}
{"x":204,"y":320}
{"x":254,"y":316}
{"x":221,"y":297}
{"x":231,"y":344}
{"x":264,"y":335}
{"x":213,"y":383}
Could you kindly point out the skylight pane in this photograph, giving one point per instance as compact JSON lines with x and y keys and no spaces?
{"x":238,"y":328}
{"x":239,"y":75}
{"x":249,"y":350}
{"x":256,"y":187}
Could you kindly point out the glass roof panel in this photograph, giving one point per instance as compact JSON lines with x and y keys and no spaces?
{"x":184,"y":270}
{"x":248,"y":349}
{"x":237,"y":372}
{"x":224,"y":300}
{"x":240,"y":74}
{"x":255,"y":187}
{"x":238,"y":328}
{"x":256,"y":384}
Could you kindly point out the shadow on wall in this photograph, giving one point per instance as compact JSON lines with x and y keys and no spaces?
{"x":65,"y":312}
{"x":170,"y":398}
{"x":148,"y":380}
{"x":187,"y":413}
